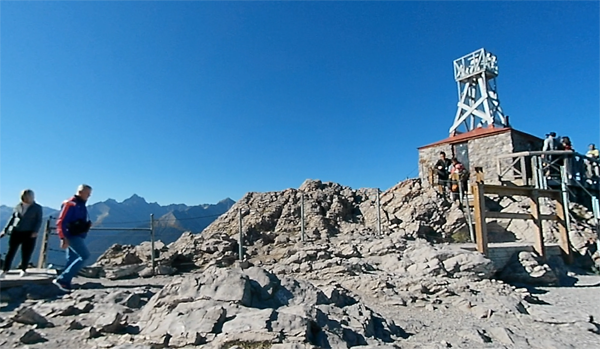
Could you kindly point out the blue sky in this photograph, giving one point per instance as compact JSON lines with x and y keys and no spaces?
{"x":192,"y":102}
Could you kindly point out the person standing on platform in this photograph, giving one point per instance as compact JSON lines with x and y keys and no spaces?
{"x":442,"y":168}
{"x":23,"y":227}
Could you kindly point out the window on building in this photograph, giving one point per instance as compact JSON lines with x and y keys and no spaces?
{"x":461,"y":152}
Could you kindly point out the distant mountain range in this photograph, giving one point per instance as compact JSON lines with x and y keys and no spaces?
{"x":170,"y":222}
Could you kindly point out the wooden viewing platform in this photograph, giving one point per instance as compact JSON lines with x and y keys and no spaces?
{"x":34,"y":276}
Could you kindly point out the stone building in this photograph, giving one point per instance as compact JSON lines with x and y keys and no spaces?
{"x":477,"y":148}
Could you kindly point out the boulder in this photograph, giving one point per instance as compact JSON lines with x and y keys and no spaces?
{"x":32,"y":337}
{"x":111,"y":322}
{"x":528,"y":267}
{"x":28,"y":316}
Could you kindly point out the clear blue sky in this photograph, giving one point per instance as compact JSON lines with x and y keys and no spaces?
{"x":192,"y":102}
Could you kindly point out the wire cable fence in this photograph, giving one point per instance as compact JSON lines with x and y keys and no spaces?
{"x":158,"y":229}
{"x":155,"y":229}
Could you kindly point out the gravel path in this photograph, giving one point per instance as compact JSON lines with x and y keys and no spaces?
{"x":565,"y":317}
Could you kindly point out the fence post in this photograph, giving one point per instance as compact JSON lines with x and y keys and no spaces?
{"x":152,"y":243}
{"x":241,"y":251}
{"x":44,"y":249}
{"x":378,"y":214}
{"x":302,"y":217}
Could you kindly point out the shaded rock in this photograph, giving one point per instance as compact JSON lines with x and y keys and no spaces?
{"x":72,"y":309}
{"x":262,"y":282}
{"x":28,"y":316}
{"x":13,"y":294}
{"x":528,"y":267}
{"x":5,"y":323}
{"x":111,"y":322}
{"x":32,"y":337}
{"x":92,"y":332}
{"x":133,"y":301}
{"x":75,"y":325}
{"x":33,"y":291}
{"x":165,"y":270}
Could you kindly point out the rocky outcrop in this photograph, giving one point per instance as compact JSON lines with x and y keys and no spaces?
{"x":220,"y":305}
{"x":332,"y":209}
{"x":346,"y":285}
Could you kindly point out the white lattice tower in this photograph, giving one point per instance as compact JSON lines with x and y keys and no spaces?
{"x":478,"y":103}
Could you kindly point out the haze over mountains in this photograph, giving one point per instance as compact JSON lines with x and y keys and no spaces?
{"x":170,"y":222}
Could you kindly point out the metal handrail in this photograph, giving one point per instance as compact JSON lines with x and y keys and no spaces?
{"x":551,"y":160}
{"x":571,"y":153}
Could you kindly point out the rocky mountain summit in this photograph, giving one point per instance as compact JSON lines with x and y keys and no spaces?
{"x":346,"y":285}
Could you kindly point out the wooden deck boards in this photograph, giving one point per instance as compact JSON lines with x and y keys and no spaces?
{"x":35,"y":276}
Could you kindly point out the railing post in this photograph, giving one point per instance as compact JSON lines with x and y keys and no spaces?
{"x":302,"y":236}
{"x":539,"y":246}
{"x":534,"y":172}
{"x":241,"y":250}
{"x":480,"y":225}
{"x":152,"y":244}
{"x":596,"y":210}
{"x":467,"y":205}
{"x":378,"y":213}
{"x":44,"y":249}
{"x":523,"y":165}
{"x":562,"y":213}
{"x":565,"y":196}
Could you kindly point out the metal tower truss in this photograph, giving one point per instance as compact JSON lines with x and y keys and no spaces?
{"x":478,"y":104}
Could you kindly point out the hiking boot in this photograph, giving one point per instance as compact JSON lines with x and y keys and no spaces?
{"x":62,"y":285}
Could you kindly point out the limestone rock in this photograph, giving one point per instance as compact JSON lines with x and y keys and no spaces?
{"x":32,"y":337}
{"x":527,"y":267}
{"x":111,"y":322}
{"x":126,"y":271}
{"x":133,"y":301}
{"x":249,"y":321}
{"x":28,"y":316}
{"x":76,"y":325}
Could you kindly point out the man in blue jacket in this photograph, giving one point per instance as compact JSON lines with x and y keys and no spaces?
{"x":72,"y":226}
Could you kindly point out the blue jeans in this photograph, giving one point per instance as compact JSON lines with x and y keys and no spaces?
{"x":77,"y":254}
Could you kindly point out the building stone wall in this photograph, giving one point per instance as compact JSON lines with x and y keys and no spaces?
{"x":525,"y":142}
{"x":483,"y":152}
{"x":428,"y":157}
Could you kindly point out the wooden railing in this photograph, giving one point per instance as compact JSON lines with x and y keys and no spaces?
{"x":481,"y":214}
{"x":526,"y":168}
